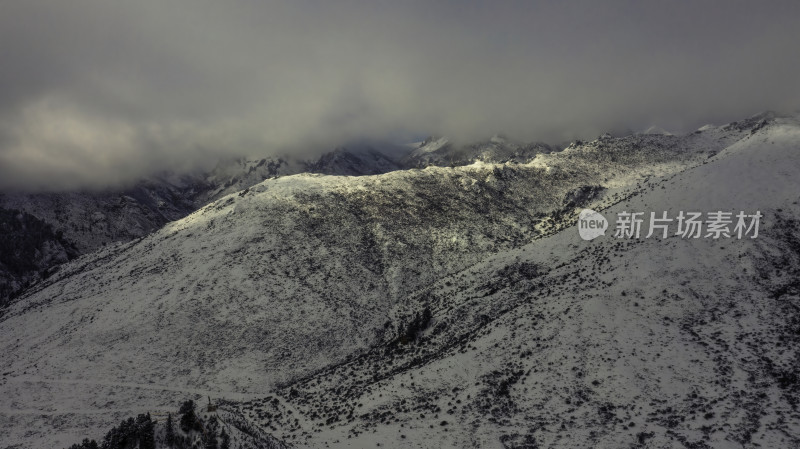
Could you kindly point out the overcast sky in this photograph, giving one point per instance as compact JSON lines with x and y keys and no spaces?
{"x":97,"y":92}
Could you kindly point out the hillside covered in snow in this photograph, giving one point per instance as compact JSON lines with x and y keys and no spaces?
{"x":45,"y":229}
{"x":449,"y":306}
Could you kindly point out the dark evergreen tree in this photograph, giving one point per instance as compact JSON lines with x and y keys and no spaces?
{"x":87,"y":444}
{"x":419,"y":323}
{"x":145,"y":432}
{"x":224,"y":440}
{"x":189,"y":420}
{"x":119,"y":437}
{"x":169,"y":434}
{"x":139,"y":433}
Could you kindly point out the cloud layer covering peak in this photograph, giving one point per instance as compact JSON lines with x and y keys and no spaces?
{"x":94,"y":93}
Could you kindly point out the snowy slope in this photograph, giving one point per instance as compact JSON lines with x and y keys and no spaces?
{"x":442,"y":152}
{"x":83,"y":221}
{"x":304,"y":286}
{"x":91,"y":219}
{"x":610,"y":343}
{"x":76,"y":223}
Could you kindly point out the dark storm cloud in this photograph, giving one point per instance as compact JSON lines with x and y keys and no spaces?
{"x":94,"y":92}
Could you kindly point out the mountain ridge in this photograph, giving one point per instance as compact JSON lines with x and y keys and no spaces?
{"x":313,"y":290}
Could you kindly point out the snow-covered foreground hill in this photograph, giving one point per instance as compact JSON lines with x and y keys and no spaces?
{"x":445,"y":307}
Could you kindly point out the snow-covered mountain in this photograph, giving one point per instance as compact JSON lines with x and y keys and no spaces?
{"x":43,"y":230}
{"x":611,"y":343}
{"x":86,"y":221}
{"x":344,"y":162}
{"x":28,"y":248}
{"x":444,"y":307}
{"x":51,"y":228}
{"x":439,"y":151}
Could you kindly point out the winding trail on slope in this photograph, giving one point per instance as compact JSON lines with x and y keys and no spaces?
{"x":230,"y":395}
{"x":100,"y":411}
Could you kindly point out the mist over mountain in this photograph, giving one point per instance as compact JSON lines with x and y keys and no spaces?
{"x":45,"y":229}
{"x":96,"y":94}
